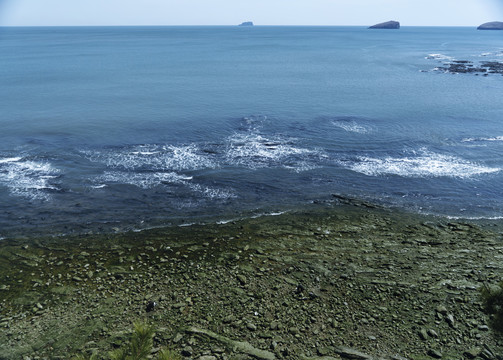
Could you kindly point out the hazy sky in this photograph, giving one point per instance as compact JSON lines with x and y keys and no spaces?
{"x":261,"y":12}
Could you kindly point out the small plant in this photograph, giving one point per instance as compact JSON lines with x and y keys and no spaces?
{"x":492,"y":298}
{"x":139,"y":347}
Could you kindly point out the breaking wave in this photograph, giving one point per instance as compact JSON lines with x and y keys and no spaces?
{"x":28,"y":178}
{"x":424,"y":164}
{"x":481,"y":139}
{"x":154,"y":157}
{"x":258,"y":151}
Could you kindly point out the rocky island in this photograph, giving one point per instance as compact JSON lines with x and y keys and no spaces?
{"x":246,"y":23}
{"x":493,"y":25}
{"x":386,"y":25}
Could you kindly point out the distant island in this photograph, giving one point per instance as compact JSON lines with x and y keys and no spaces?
{"x":246,"y":23}
{"x":386,"y":25}
{"x":493,"y":25}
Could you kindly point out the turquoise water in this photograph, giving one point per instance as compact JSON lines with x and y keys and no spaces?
{"x":117,"y":128}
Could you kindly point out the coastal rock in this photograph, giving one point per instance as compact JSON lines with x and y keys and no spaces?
{"x":493,"y":25}
{"x":386,"y":25}
{"x":246,"y":23}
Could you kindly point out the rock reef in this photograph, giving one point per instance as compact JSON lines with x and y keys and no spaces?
{"x":493,"y":25}
{"x":386,"y":25}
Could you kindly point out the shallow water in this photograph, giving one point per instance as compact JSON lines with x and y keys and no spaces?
{"x":114,"y":128}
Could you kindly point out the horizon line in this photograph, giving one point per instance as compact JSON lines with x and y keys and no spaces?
{"x":222,"y":25}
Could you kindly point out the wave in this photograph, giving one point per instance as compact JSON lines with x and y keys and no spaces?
{"x":481,"y":139}
{"x":139,"y":179}
{"x":439,"y":57}
{"x":352,"y":126}
{"x":424,"y":164}
{"x":254,"y":150}
{"x":149,"y":180}
{"x":153,"y":157}
{"x":28,"y":178}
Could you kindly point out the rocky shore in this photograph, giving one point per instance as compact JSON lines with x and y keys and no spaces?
{"x":335,"y":281}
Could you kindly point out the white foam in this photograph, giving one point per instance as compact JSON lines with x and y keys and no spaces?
{"x":9,"y":160}
{"x":424,"y":164}
{"x":27,"y":178}
{"x":154,"y":157}
{"x":496,"y":138}
{"x":438,"y":57}
{"x":141,"y":180}
{"x":256,"y":151}
{"x":352,"y":126}
{"x":212,"y":193}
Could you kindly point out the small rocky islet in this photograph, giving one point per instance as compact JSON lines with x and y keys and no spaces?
{"x":386,"y":25}
{"x":346,"y":280}
{"x":493,"y":25}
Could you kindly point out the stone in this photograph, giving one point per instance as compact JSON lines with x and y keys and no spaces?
{"x":493,"y":25}
{"x":450,"y":320}
{"x":251,"y":327}
{"x":386,"y":25}
{"x":432,"y":333}
{"x":472,"y":353}
{"x":441,"y":309}
{"x":349,"y":353}
{"x":187,"y":351}
{"x":242,"y":279}
{"x":435,"y":353}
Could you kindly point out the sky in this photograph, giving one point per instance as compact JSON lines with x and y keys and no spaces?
{"x":261,"y":12}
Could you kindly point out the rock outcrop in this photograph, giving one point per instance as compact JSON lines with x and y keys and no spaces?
{"x":493,"y":25}
{"x":246,"y":23}
{"x":386,"y":25}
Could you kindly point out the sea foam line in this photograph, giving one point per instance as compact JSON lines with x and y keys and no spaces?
{"x":427,"y":164}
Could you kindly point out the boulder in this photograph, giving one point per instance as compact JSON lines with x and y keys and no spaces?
{"x":386,"y":25}
{"x":494,"y":25}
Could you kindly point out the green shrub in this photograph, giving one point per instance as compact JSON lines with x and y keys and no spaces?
{"x":492,"y":298}
{"x":139,"y":347}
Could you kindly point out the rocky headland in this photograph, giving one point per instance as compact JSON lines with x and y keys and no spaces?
{"x":346,"y":280}
{"x":493,"y":25}
{"x":386,"y":25}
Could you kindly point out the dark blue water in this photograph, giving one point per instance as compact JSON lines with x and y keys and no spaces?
{"x":114,"y":128}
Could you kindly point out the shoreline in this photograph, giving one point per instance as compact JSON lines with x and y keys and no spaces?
{"x":320,"y":205}
{"x":299,"y":285}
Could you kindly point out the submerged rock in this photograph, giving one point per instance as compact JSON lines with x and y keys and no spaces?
{"x":493,"y":25}
{"x":386,"y":25}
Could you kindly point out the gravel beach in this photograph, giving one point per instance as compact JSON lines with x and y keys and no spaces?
{"x":327,"y":282}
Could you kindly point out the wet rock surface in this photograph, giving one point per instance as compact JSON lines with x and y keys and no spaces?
{"x":349,"y":282}
{"x":484,"y":68}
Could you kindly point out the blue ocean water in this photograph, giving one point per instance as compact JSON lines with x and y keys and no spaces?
{"x":117,"y":128}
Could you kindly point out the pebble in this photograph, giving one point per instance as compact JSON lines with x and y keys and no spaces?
{"x":472,"y":353}
{"x":432,"y":333}
{"x":435,"y":354}
{"x":187,"y":351}
{"x":450,"y":320}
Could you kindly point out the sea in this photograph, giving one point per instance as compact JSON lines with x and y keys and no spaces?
{"x":113,"y":129}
